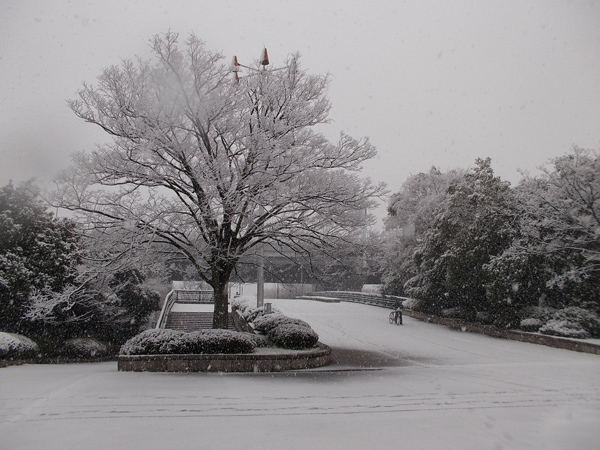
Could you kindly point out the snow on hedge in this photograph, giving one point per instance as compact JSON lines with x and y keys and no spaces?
{"x":279,"y":329}
{"x":244,"y":307}
{"x":267,"y":322}
{"x":564,"y":328}
{"x":84,"y":348}
{"x":571,"y":322}
{"x":410,"y":303}
{"x":293,"y":336}
{"x":530,"y":324}
{"x":168,"y":342}
{"x":15,"y":346}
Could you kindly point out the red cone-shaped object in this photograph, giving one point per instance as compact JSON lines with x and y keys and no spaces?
{"x":264,"y":59}
{"x":235,"y":65}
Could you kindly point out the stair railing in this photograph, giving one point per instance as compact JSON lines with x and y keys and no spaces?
{"x":166,"y":309}
{"x":195,"y":296}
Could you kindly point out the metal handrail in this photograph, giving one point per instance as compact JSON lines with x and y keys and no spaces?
{"x":203,"y":296}
{"x":385,"y":301}
{"x":194,"y":296}
{"x":169,"y":301}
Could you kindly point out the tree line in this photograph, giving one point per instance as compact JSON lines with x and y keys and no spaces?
{"x":55,"y":284}
{"x":465,"y":243}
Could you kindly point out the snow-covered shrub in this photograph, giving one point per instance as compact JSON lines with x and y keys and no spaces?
{"x":84,"y":348}
{"x":452,"y":313}
{"x":544,"y":313}
{"x":564,"y":328}
{"x":263,"y":324}
{"x":293,"y":336}
{"x":240,"y":303}
{"x":567,"y":322}
{"x":245,"y":309}
{"x":253,"y":313}
{"x":584,"y":318}
{"x":276,"y":328}
{"x":530,"y":324}
{"x":16,"y":346}
{"x":249,"y":312}
{"x":267,"y":322}
{"x":151,"y":342}
{"x":411,"y":303}
{"x":165,"y":342}
{"x":216,"y":341}
{"x":259,"y":340}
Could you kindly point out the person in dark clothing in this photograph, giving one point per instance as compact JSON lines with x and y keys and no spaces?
{"x":398,"y":310}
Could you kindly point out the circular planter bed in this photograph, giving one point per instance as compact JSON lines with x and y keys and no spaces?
{"x":264,"y":359}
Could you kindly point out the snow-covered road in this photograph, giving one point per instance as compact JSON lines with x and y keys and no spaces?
{"x":416,"y":386}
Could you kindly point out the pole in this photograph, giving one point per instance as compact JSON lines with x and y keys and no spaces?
{"x":260,"y":282}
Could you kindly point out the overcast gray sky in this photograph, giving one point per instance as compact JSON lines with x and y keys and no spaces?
{"x":430,"y":82}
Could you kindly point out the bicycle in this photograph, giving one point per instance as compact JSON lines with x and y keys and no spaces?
{"x":396,"y":317}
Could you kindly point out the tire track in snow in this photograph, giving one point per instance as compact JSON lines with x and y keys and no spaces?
{"x":310,"y":405}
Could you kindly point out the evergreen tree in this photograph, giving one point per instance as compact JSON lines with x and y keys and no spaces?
{"x":411,"y":213}
{"x":473,"y":224}
{"x":555,"y":258}
{"x":38,"y":252}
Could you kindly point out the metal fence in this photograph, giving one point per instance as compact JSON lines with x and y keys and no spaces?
{"x":204,"y":296}
{"x":383,"y":301}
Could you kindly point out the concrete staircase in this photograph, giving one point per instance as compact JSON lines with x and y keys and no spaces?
{"x":192,"y":321}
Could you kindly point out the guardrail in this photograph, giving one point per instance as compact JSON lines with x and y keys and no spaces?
{"x":383,"y":301}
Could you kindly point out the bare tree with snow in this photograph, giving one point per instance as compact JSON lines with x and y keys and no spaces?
{"x":212,"y":168}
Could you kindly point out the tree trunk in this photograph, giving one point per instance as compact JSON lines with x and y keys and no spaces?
{"x":220,"y":282}
{"x":221,"y":311}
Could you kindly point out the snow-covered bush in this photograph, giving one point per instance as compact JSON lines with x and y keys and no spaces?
{"x":267,"y":322}
{"x":241,"y":302}
{"x":217,"y":341}
{"x":276,"y":328}
{"x":452,"y":313}
{"x":151,"y":342}
{"x":16,"y":346}
{"x":293,"y":336}
{"x":244,"y":306}
{"x":252,"y":313}
{"x":567,"y":322}
{"x":543,"y":313}
{"x":160,"y":342}
{"x":84,"y":348}
{"x":259,"y":340}
{"x":564,"y":328}
{"x":530,"y":324}
{"x":585,"y":319}
{"x":411,"y":303}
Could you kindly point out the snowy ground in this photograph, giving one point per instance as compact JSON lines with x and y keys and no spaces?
{"x":415,"y":386}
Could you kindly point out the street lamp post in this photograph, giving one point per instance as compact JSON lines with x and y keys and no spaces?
{"x":260,"y":275}
{"x":260,"y":278}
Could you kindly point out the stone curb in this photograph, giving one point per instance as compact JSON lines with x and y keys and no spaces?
{"x":522,"y":336}
{"x":251,"y":362}
{"x":55,"y":360}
